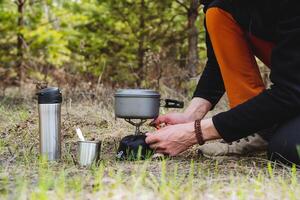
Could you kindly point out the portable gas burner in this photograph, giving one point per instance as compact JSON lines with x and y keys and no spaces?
{"x":136,"y":106}
{"x":137,"y":125}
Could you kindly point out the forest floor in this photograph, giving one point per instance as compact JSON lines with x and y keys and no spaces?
{"x":188,"y":176}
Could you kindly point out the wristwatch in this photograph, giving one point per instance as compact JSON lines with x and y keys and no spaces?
{"x":198,"y":131}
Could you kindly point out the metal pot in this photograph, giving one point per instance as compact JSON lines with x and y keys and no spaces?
{"x":141,"y":104}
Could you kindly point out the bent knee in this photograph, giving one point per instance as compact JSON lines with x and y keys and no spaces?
{"x":217,"y":18}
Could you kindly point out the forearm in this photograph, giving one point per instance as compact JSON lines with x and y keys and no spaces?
{"x":209,"y":132}
{"x":197,"y":109}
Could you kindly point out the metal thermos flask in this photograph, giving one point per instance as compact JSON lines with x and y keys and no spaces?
{"x":49,"y":103}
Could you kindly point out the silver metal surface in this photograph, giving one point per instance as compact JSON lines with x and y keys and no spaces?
{"x":88,"y":152}
{"x":49,"y":125}
{"x":137,"y":125}
{"x":136,"y":107}
{"x":136,"y":93}
{"x":137,"y":104}
{"x":141,"y":104}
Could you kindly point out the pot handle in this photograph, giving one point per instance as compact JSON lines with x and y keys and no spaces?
{"x":171,"y":103}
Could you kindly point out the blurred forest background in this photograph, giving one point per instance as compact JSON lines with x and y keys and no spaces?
{"x":117,"y":43}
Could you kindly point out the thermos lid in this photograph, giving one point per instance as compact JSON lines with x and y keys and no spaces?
{"x":49,"y":95}
{"x":137,"y":93}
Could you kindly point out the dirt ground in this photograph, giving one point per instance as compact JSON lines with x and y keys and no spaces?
{"x":188,"y":176}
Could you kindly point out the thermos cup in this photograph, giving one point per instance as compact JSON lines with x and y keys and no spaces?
{"x":49,"y":105}
{"x":88,"y":152}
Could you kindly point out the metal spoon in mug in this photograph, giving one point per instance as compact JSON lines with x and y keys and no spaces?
{"x":80,"y":135}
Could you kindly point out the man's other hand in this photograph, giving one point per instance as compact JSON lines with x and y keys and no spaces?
{"x":172,"y":140}
{"x":170,"y":119}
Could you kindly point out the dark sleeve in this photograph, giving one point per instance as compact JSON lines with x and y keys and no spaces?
{"x":210,"y":85}
{"x":274,"y":105}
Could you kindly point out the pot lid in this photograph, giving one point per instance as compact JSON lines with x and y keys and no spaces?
{"x":136,"y":93}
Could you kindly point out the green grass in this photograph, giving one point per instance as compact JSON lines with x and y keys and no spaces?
{"x":11,"y":113}
{"x":23,"y":175}
{"x":171,"y":179}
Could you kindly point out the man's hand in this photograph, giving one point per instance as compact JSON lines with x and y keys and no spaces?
{"x":196,"y":110}
{"x":175,"y":139}
{"x":172,"y":140}
{"x":171,"y":119}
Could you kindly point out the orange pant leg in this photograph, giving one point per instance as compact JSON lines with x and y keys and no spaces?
{"x":235,"y":56}
{"x":262,"y":49}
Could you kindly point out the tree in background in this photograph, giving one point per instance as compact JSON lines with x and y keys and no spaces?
{"x":192,"y":12}
{"x":8,"y":30}
{"x":30,"y":41}
{"x":20,"y":40}
{"x":98,"y":40}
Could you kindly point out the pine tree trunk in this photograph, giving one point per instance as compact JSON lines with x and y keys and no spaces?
{"x":193,"y":56}
{"x":20,"y":42}
{"x":141,"y":48}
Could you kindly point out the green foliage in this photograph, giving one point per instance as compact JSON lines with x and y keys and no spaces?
{"x":8,"y":29}
{"x":93,"y":37}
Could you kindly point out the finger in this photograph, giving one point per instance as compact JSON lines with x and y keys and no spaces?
{"x":157,"y":146}
{"x":153,"y":123}
{"x":149,"y":134}
{"x":158,"y":132}
{"x":151,"y":138}
{"x":162,"y":151}
{"x":160,"y":120}
{"x":163,"y":129}
{"x":154,"y":146}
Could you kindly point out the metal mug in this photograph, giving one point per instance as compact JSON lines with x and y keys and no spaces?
{"x":88,"y":152}
{"x":49,"y":105}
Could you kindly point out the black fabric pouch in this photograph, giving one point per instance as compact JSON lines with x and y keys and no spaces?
{"x":134,"y":147}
